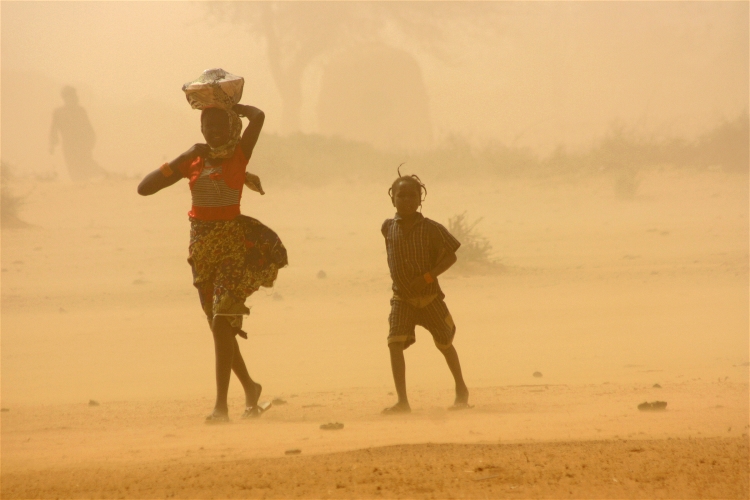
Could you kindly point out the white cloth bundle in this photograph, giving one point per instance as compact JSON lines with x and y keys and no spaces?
{"x":215,"y":88}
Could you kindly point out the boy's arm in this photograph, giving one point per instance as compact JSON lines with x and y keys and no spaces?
{"x":446,"y":258}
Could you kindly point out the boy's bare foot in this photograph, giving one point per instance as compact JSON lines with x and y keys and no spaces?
{"x":462,"y":400}
{"x":397,"y":409}
{"x":462,"y":396}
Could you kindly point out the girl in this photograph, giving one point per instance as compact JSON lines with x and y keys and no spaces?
{"x":231,"y":255}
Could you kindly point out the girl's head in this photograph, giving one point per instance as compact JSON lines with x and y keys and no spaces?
{"x":215,"y":126}
{"x":222,"y":129}
{"x":407,"y":193}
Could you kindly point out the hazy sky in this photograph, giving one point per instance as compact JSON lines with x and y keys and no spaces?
{"x":540,"y":74}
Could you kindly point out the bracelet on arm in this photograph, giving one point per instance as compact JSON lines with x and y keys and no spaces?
{"x":428,"y":278}
{"x":166,"y":170}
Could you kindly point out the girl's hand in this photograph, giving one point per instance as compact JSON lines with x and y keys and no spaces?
{"x":241,"y":110}
{"x":252,"y":182}
{"x":196,"y":151}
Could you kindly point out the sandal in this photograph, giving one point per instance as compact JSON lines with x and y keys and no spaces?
{"x":256,"y":411}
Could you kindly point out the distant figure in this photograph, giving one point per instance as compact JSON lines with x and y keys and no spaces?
{"x":375,"y":94}
{"x":72,"y":124}
{"x":418,"y":250}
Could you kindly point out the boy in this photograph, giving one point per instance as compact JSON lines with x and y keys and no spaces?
{"x":419,"y":250}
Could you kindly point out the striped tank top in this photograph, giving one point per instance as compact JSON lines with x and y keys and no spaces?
{"x":216,"y":190}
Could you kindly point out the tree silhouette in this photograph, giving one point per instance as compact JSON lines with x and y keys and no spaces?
{"x":295,"y":33}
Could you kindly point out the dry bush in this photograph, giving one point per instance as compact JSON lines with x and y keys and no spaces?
{"x":476,"y":250}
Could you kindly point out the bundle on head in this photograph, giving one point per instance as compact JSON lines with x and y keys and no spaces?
{"x":214,"y":88}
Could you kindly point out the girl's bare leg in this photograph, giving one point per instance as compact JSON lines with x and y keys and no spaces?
{"x":252,"y":388}
{"x":224,"y":348}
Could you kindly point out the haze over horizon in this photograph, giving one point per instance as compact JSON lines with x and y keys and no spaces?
{"x":534,"y":75}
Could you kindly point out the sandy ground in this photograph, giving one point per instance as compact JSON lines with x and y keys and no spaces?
{"x":604,"y":297}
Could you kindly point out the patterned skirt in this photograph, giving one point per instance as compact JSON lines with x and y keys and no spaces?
{"x":230,"y":261}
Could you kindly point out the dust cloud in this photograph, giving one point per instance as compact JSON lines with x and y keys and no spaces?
{"x":591,"y":157}
{"x":534,"y":75}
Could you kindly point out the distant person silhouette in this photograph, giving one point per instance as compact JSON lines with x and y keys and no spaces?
{"x":71,"y":123}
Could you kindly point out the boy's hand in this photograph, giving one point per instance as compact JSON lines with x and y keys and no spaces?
{"x":418,"y":284}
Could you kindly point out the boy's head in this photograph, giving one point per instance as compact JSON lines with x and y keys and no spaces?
{"x":407,"y":193}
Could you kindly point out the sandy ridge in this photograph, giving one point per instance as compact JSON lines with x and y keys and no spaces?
{"x":674,"y":468}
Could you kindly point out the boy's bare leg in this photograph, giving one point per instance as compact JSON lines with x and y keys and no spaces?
{"x":398,"y":366}
{"x":252,"y":389}
{"x":462,"y":392}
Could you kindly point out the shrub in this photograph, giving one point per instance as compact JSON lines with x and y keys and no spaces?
{"x":476,"y":250}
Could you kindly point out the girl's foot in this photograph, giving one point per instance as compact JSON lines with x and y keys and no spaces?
{"x":252,"y":409}
{"x":217,"y":417}
{"x":252,"y":399}
{"x":256,"y":410}
{"x":397,"y":409}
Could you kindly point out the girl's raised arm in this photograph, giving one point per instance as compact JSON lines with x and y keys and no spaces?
{"x":169,"y":173}
{"x":252,"y":131}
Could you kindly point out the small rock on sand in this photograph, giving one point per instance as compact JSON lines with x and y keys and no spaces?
{"x":537,"y":374}
{"x":93,"y":402}
{"x":332,"y":426}
{"x":293,"y":452}
{"x":655,"y":406}
{"x":657,"y":386}
{"x":322,"y":274}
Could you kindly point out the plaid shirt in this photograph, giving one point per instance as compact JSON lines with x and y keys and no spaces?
{"x":414,"y":252}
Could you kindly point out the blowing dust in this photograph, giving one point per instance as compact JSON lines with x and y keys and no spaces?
{"x":604,"y":258}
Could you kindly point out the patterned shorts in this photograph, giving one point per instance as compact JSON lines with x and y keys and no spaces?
{"x":434,"y":317}
{"x":230,"y":261}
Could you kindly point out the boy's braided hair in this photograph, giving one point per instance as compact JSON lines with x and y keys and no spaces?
{"x":411,"y":179}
